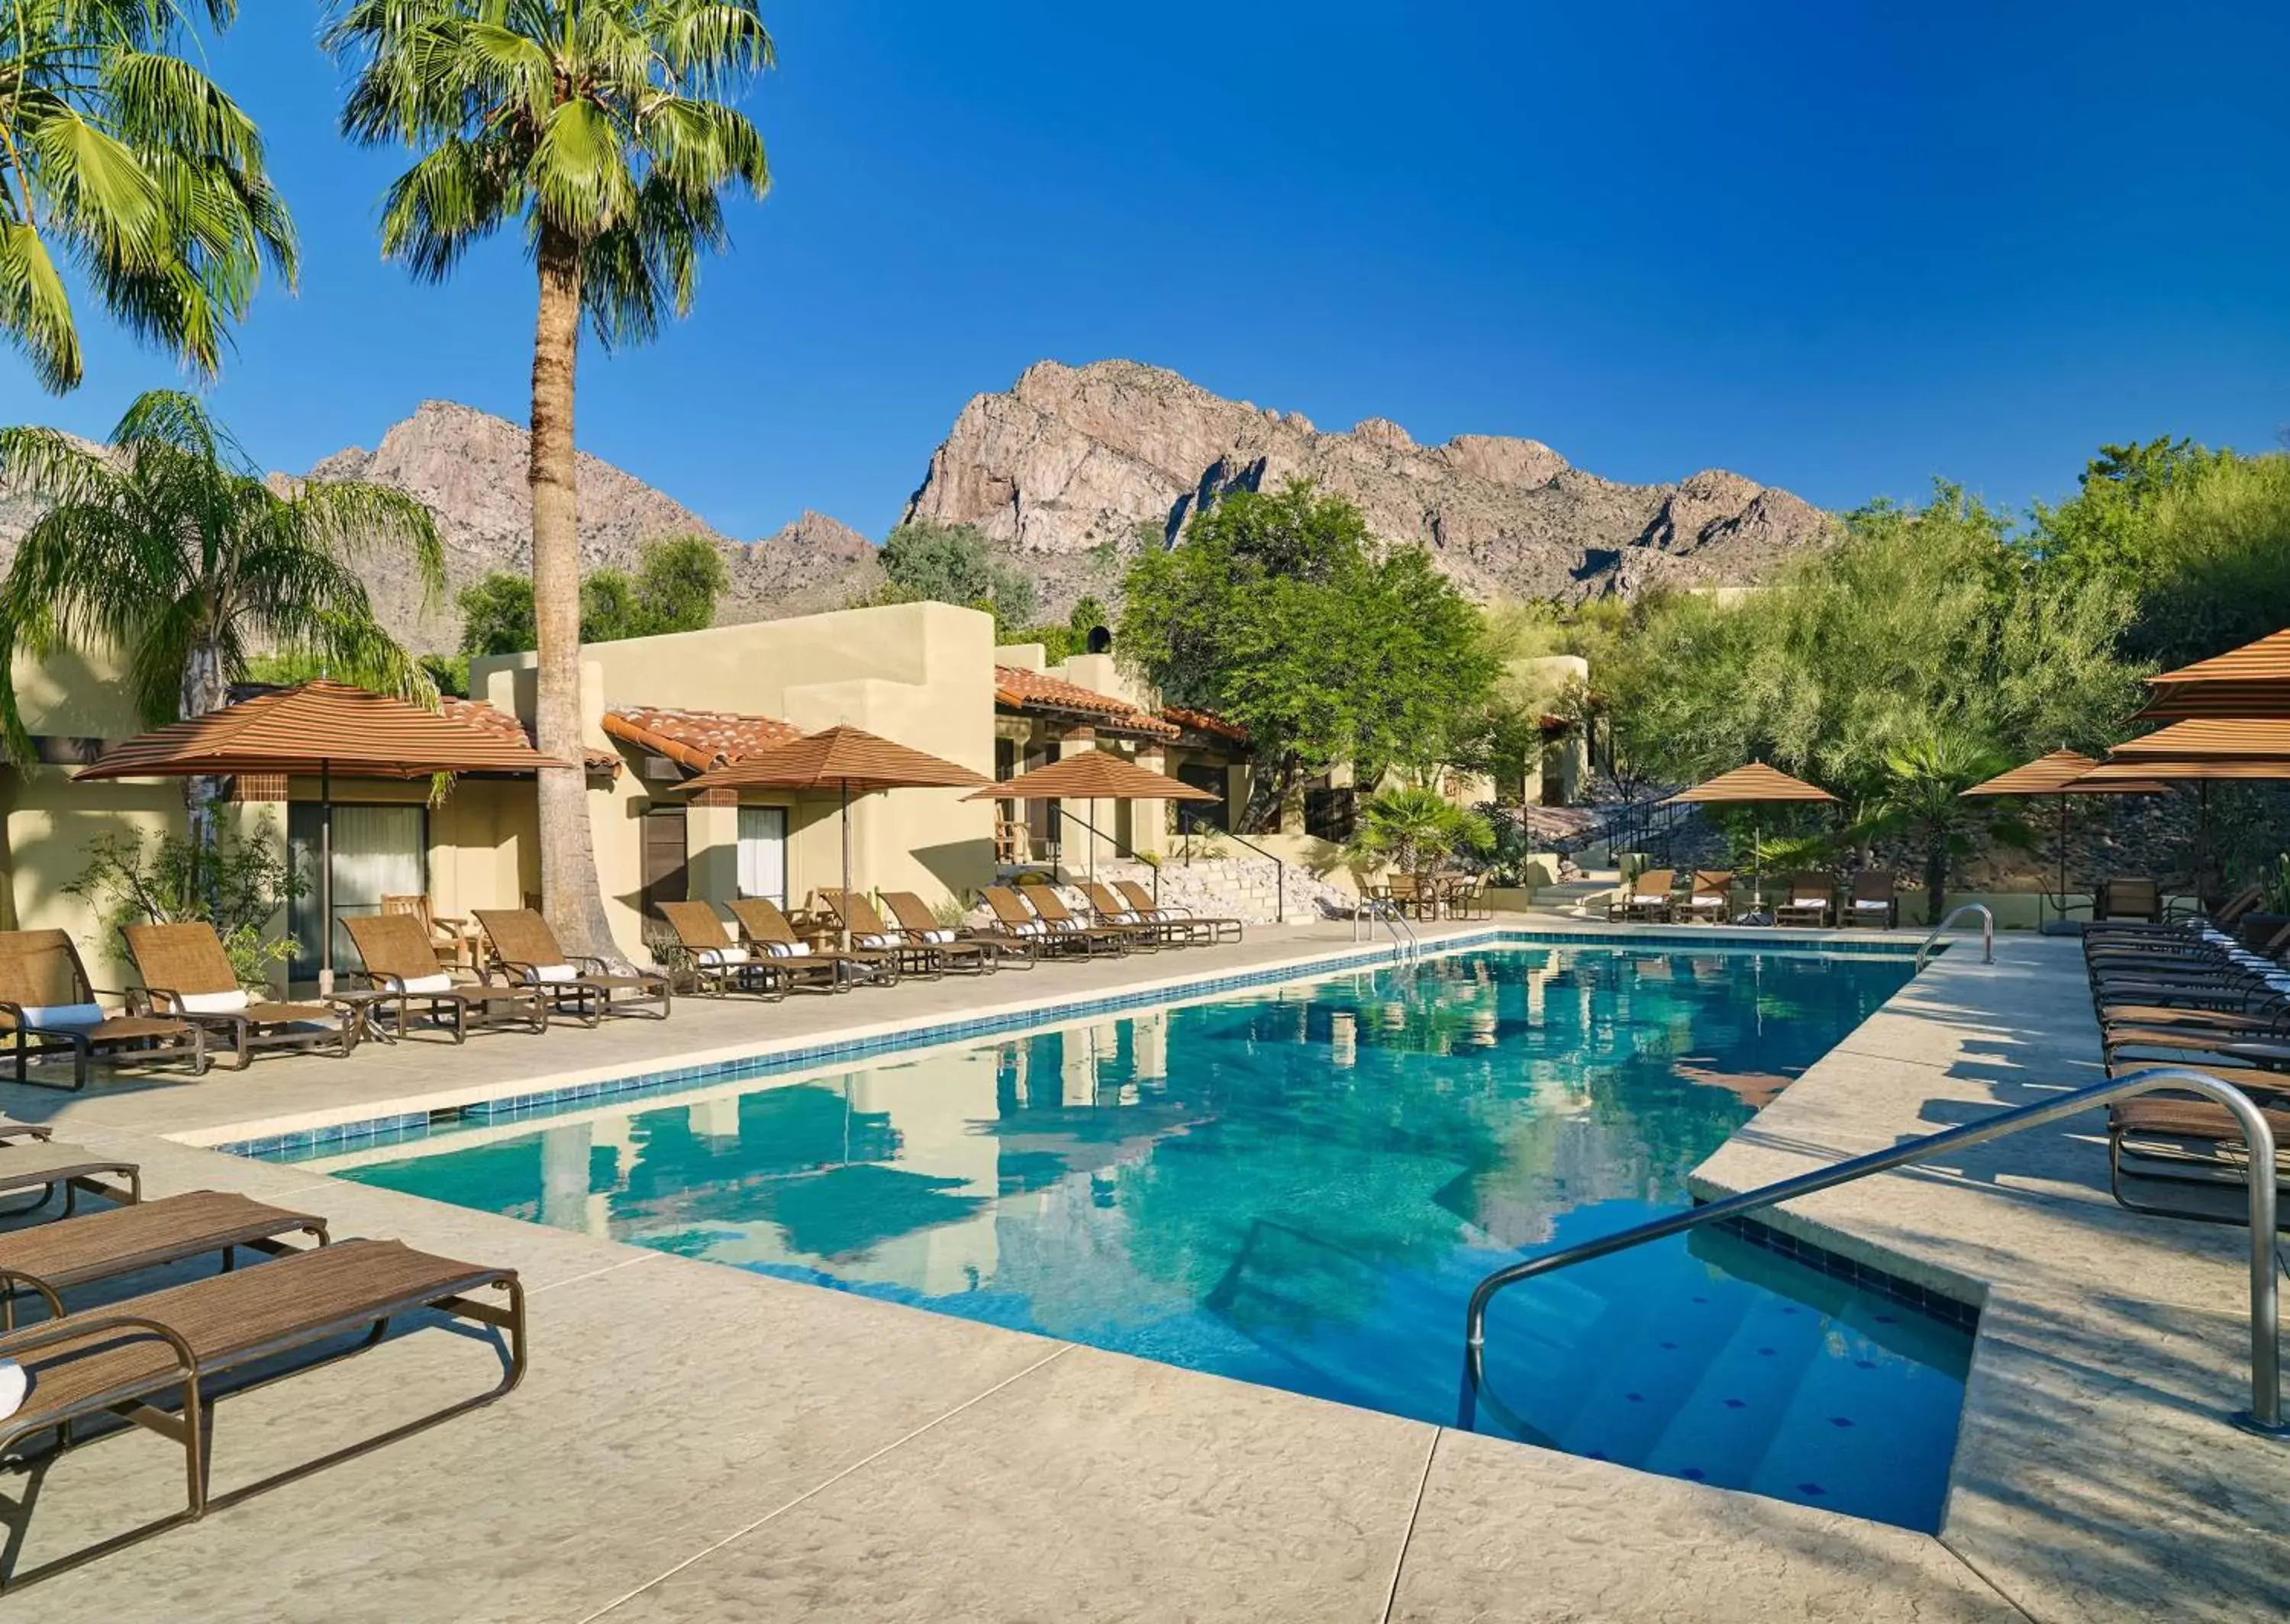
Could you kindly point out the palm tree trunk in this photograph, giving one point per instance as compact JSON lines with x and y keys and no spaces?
{"x":570,"y":893}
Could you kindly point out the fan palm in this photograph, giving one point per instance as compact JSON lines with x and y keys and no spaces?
{"x":606,"y":129}
{"x":125,"y":162}
{"x":168,"y":549}
{"x":1414,"y":829}
{"x":1922,"y":796}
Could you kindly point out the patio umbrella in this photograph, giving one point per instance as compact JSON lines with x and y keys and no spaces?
{"x":2059,"y":775}
{"x":1755,"y":785}
{"x":319,"y":727}
{"x":1094,"y":776}
{"x":2251,"y":681}
{"x":844,"y":758}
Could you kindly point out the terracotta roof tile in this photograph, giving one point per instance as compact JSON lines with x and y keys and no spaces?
{"x":1204,"y":722}
{"x":700,"y":739}
{"x":500,"y":724}
{"x":1021,"y":689}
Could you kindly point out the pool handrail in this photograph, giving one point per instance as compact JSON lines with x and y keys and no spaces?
{"x":2264,"y":1416}
{"x":1987,"y":932}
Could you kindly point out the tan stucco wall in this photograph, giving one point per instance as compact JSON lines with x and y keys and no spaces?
{"x":921,"y":675}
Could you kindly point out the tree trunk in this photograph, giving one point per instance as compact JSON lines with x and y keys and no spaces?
{"x":570,"y":893}
{"x":1936,"y":879}
{"x":1268,"y":797}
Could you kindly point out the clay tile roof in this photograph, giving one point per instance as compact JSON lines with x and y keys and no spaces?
{"x":500,"y":724}
{"x":700,"y":739}
{"x":1204,"y":722}
{"x":1032,"y":690}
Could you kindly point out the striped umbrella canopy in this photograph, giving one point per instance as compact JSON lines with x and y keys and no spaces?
{"x":2251,"y":681}
{"x":321,"y":728}
{"x":2210,"y":738}
{"x":1755,"y":785}
{"x":1092,"y":776}
{"x":2111,"y":774}
{"x":2060,"y":774}
{"x":848,"y":760}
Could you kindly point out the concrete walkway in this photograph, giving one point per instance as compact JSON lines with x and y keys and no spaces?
{"x":696,"y":1443}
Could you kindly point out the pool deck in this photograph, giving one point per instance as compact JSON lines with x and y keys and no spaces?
{"x":697,"y":1443}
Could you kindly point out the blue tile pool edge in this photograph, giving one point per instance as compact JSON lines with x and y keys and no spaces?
{"x":1948,"y":1310}
{"x":412,"y":1126}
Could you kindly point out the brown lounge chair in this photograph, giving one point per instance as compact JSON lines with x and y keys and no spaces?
{"x":769,"y":932}
{"x":2188,"y":1141}
{"x":856,"y":917}
{"x":39,"y":1163}
{"x":156,"y":1358}
{"x":186,"y":974}
{"x":958,"y":947}
{"x":48,"y":1005}
{"x":1811,"y":901}
{"x":1106,"y":909}
{"x":2128,"y":898}
{"x":400,"y":961}
{"x":1647,"y":897}
{"x":525,"y":949}
{"x":720,"y":965}
{"x":1014,"y":916}
{"x":1051,"y":908}
{"x":1876,"y":901}
{"x":52,"y":1258}
{"x":1142,"y":902}
{"x":1710,"y":896}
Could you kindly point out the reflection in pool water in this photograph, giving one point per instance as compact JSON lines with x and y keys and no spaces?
{"x":1298,"y":1187}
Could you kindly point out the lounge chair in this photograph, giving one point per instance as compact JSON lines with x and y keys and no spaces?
{"x":1811,"y":901}
{"x":156,"y":1358}
{"x":400,"y":962}
{"x":186,"y":974}
{"x":720,"y":965}
{"x":1046,"y":901}
{"x":958,"y":947}
{"x":768,"y":933}
{"x":1016,"y":917}
{"x":52,"y":1258}
{"x":1108,"y":908}
{"x":2128,"y":898}
{"x":41,"y":1164}
{"x":526,"y":950}
{"x":2187,"y":1142}
{"x":1710,"y":896}
{"x":48,"y":1005}
{"x":1142,"y":901}
{"x":856,"y":917}
{"x":1876,"y":901}
{"x":1646,"y":896}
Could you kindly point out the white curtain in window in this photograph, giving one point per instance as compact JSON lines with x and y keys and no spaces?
{"x":763,"y":852}
{"x":377,"y":853}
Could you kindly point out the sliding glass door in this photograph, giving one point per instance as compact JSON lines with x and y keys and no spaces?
{"x":379,"y":852}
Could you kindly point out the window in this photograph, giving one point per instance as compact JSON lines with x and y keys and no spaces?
{"x":763,"y":852}
{"x":1215,"y":815}
{"x":666,"y":876}
{"x":379,"y":852}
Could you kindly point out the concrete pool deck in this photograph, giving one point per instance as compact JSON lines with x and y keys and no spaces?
{"x":697,"y":1443}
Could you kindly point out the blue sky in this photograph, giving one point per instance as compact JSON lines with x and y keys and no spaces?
{"x":1838,"y":248}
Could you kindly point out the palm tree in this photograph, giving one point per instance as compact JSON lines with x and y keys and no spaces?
{"x":606,"y":129}
{"x":1922,"y":796}
{"x":125,"y":163}
{"x":1414,"y":829}
{"x":168,"y":548}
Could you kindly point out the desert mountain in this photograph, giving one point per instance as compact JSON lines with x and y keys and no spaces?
{"x":1068,"y":466}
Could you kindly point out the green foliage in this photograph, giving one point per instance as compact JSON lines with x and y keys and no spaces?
{"x":675,"y":588}
{"x":1062,"y":643}
{"x":170,"y":548}
{"x":955,"y":563}
{"x":238,"y":886}
{"x":1277,"y":613}
{"x":130,"y":172}
{"x":1922,"y":796}
{"x":1922,"y":620}
{"x":1416,"y":831}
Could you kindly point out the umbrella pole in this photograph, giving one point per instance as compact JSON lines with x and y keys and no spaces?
{"x":841,"y":914}
{"x":2063,"y":869}
{"x":325,"y":879}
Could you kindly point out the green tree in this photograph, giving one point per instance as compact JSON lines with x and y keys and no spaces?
{"x":1277,"y":612}
{"x":125,"y":164}
{"x":676,"y":582}
{"x":1414,"y":831}
{"x":497,"y":614}
{"x":170,"y":549}
{"x":955,"y":563}
{"x":605,"y":130}
{"x":1922,"y":797}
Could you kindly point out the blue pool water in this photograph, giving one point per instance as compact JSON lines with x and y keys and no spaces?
{"x":1300,"y":1186}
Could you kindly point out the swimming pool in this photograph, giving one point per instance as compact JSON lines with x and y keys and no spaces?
{"x":1298,"y":1186}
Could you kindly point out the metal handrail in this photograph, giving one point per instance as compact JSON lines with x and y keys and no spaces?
{"x":1279,"y":869}
{"x":2265,"y":1413}
{"x":1987,"y":933}
{"x":1409,"y":947}
{"x":1119,"y":849}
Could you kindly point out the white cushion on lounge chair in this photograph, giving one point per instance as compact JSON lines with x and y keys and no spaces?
{"x":551,"y":973}
{"x":788,"y":949}
{"x":723,"y":955}
{"x":1871,"y":904}
{"x":231,"y":1003}
{"x":1708,"y":898}
{"x":417,"y":984}
{"x":14,"y":1385}
{"x":36,"y":1015}
{"x":938,"y":936}
{"x":869,"y":939}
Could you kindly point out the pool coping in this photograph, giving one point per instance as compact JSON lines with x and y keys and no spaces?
{"x":406,"y":1119}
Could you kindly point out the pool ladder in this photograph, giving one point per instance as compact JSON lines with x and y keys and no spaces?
{"x":1406,"y":946}
{"x":1987,"y":933}
{"x":2264,"y":1416}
